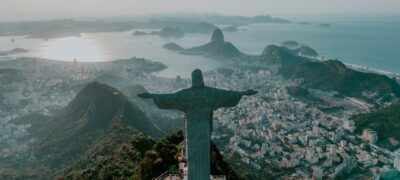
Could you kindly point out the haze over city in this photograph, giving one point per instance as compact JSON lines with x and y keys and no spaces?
{"x":39,"y":9}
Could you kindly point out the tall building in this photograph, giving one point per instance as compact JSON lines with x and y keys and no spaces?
{"x":373,"y":138}
{"x":315,"y":130}
{"x":349,"y":125}
{"x":335,"y":137}
{"x":370,"y":135}
{"x":332,"y":149}
{"x":343,"y":143}
{"x":317,"y":172}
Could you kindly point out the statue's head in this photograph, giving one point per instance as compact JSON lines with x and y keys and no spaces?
{"x":197,"y":79}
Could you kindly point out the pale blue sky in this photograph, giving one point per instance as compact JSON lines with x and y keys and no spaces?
{"x":17,"y":9}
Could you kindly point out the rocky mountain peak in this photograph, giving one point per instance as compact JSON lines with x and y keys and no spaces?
{"x":217,"y":36}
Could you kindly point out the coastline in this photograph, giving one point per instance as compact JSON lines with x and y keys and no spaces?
{"x":372,"y":70}
{"x":361,"y":68}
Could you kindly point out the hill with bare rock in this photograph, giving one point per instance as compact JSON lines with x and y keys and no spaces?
{"x":217,"y":48}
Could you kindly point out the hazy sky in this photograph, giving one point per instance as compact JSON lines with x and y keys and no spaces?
{"x":17,"y":9}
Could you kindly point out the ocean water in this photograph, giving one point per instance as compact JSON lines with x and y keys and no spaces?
{"x":373,"y":43}
{"x":98,"y":47}
{"x":370,"y":43}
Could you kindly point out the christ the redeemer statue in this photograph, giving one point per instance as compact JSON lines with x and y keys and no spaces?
{"x":198,"y":102}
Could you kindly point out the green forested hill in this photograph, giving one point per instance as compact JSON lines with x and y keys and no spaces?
{"x":334,"y":75}
{"x":142,"y":158}
{"x":385,"y":121}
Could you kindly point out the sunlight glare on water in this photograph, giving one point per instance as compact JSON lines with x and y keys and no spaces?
{"x":81,"y":48}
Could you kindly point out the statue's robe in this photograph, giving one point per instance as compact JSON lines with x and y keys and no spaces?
{"x":198,"y":104}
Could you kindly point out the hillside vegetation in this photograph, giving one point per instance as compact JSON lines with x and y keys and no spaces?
{"x":385,"y":121}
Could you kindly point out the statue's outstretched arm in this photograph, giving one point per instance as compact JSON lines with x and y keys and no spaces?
{"x":249,"y":92}
{"x":165,"y":101}
{"x":226,"y":98}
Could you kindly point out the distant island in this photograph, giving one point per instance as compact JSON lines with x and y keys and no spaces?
{"x":237,"y":20}
{"x":325,"y":25}
{"x":13,"y":51}
{"x":173,"y":47}
{"x":165,"y":32}
{"x":231,"y":29}
{"x":69,"y":27}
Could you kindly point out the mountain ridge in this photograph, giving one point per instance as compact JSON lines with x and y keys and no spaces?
{"x":334,"y":75}
{"x":98,"y":118}
{"x":216,"y":48}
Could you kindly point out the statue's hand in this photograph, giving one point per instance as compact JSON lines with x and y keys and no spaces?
{"x":145,"y":95}
{"x":249,"y":92}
